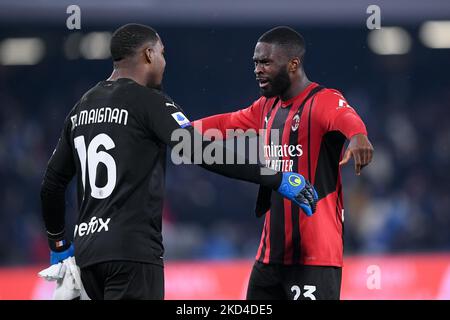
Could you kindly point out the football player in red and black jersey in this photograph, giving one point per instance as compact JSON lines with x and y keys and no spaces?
{"x":298,"y":257}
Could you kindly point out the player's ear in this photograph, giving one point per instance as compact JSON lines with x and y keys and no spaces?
{"x":148,"y":53}
{"x":294,"y":64}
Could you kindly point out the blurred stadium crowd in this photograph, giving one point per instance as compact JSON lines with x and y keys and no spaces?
{"x":400,"y":203}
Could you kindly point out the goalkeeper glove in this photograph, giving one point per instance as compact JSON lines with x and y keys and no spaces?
{"x":297,"y":189}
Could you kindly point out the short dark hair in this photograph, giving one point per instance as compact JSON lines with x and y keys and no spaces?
{"x":126,"y":39}
{"x":286,"y":37}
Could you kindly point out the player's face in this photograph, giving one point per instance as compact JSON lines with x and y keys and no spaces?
{"x":271,"y":69}
{"x":158,"y":64}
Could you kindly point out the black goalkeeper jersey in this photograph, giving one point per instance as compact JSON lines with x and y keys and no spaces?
{"x":115,"y":140}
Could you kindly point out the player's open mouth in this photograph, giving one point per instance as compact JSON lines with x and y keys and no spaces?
{"x":263,"y":82}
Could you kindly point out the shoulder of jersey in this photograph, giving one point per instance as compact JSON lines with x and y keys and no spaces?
{"x":155,"y":95}
{"x":332,"y":98}
{"x":329,"y":94}
{"x":163,"y":96}
{"x":165,"y":100}
{"x":87,"y":94}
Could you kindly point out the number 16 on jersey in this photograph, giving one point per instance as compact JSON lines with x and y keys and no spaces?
{"x":92,"y":159}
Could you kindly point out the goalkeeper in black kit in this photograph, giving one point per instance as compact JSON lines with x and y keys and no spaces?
{"x":114,"y":140}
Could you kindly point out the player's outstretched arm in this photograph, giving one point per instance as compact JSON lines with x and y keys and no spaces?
{"x":244,"y":119}
{"x":168,"y":118}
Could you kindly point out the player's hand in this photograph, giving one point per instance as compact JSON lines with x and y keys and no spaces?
{"x":56,"y":257}
{"x":362,"y":151}
{"x":297,"y":189}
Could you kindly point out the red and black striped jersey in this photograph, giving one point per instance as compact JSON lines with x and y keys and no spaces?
{"x":312,"y":130}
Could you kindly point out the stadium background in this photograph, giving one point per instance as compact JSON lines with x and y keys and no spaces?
{"x":397,"y":213}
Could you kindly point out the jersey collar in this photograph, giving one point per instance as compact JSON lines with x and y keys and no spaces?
{"x":300,"y":96}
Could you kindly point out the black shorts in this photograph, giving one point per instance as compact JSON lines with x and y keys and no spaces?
{"x":297,"y":282}
{"x":117,"y":280}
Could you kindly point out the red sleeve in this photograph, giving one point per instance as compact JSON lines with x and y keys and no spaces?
{"x":335,"y":114}
{"x":248,"y":118}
